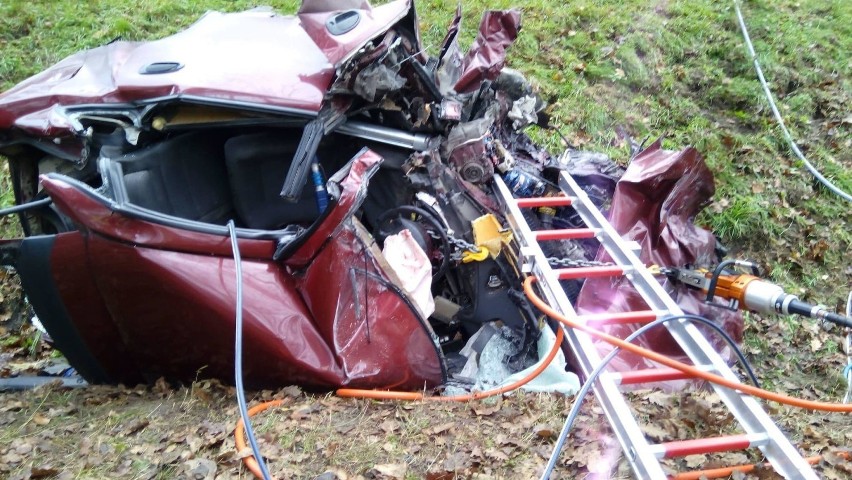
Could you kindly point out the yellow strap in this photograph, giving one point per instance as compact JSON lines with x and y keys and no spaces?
{"x":469,"y":256}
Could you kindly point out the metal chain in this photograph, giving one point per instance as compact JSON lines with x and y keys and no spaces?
{"x":572,"y":263}
{"x":460,"y":245}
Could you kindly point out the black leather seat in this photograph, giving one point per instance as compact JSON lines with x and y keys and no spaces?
{"x":257,"y":165}
{"x":184,"y":176}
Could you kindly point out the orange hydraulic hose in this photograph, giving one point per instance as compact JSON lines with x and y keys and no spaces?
{"x":251,"y":463}
{"x":728,"y":471}
{"x":691,"y":370}
{"x":391,"y":395}
{"x":240,"y":436}
{"x":725,"y":472}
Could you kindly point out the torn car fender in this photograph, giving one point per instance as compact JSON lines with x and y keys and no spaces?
{"x":654,"y":204}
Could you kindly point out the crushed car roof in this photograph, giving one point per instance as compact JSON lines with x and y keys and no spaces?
{"x":217,"y":57}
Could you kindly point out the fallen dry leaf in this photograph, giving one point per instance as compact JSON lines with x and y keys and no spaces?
{"x":200,"y":469}
{"x":545,"y":432}
{"x":485,"y":410}
{"x":695,"y":461}
{"x":389,"y":471}
{"x":291,"y":391}
{"x":389,"y":426}
{"x":816,"y":344}
{"x":40,"y":419}
{"x":136,"y":426}
{"x":43,"y":472}
{"x":441,"y":428}
{"x":457,"y":462}
{"x":305,"y":412}
{"x":440,"y":475}
{"x":654,"y":432}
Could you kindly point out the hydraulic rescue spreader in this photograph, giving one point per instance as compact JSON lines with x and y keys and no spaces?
{"x":749,"y":292}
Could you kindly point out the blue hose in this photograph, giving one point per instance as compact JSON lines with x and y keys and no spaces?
{"x":319,"y":185}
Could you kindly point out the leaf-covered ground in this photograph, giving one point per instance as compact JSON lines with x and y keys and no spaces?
{"x":157,"y":432}
{"x":674,"y":68}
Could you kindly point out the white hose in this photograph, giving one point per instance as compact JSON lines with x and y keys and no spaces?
{"x":775,"y":111}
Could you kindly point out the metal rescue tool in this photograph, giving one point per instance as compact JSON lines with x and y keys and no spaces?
{"x":747,"y":291}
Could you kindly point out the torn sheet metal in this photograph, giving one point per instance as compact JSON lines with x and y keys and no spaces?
{"x":654,"y":204}
{"x":376,"y":81}
{"x":487,"y":55}
{"x":450,"y":60}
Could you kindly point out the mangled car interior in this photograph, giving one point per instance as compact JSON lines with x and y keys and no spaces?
{"x":358,"y":172}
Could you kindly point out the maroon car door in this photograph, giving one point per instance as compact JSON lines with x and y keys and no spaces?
{"x":148,"y":299}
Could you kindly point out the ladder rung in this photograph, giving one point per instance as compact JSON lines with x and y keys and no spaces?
{"x":648,"y":375}
{"x":543,"y":202}
{"x":620,"y":318}
{"x":588,"y":272}
{"x":564,"y":234}
{"x":697,"y":446}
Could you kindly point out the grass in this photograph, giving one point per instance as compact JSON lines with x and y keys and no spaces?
{"x":664,"y":68}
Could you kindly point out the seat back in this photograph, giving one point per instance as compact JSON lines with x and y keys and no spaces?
{"x":257,"y":164}
{"x":184,"y":176}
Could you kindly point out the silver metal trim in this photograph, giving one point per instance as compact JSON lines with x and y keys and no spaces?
{"x":390,"y":136}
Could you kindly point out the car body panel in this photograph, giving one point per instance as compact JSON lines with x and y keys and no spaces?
{"x":153,"y":301}
{"x":55,"y":268}
{"x":99,"y":216}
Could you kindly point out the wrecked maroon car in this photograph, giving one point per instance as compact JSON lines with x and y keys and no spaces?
{"x":356,"y":169}
{"x":133,"y":156}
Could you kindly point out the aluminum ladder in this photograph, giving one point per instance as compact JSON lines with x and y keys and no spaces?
{"x":644,"y":457}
